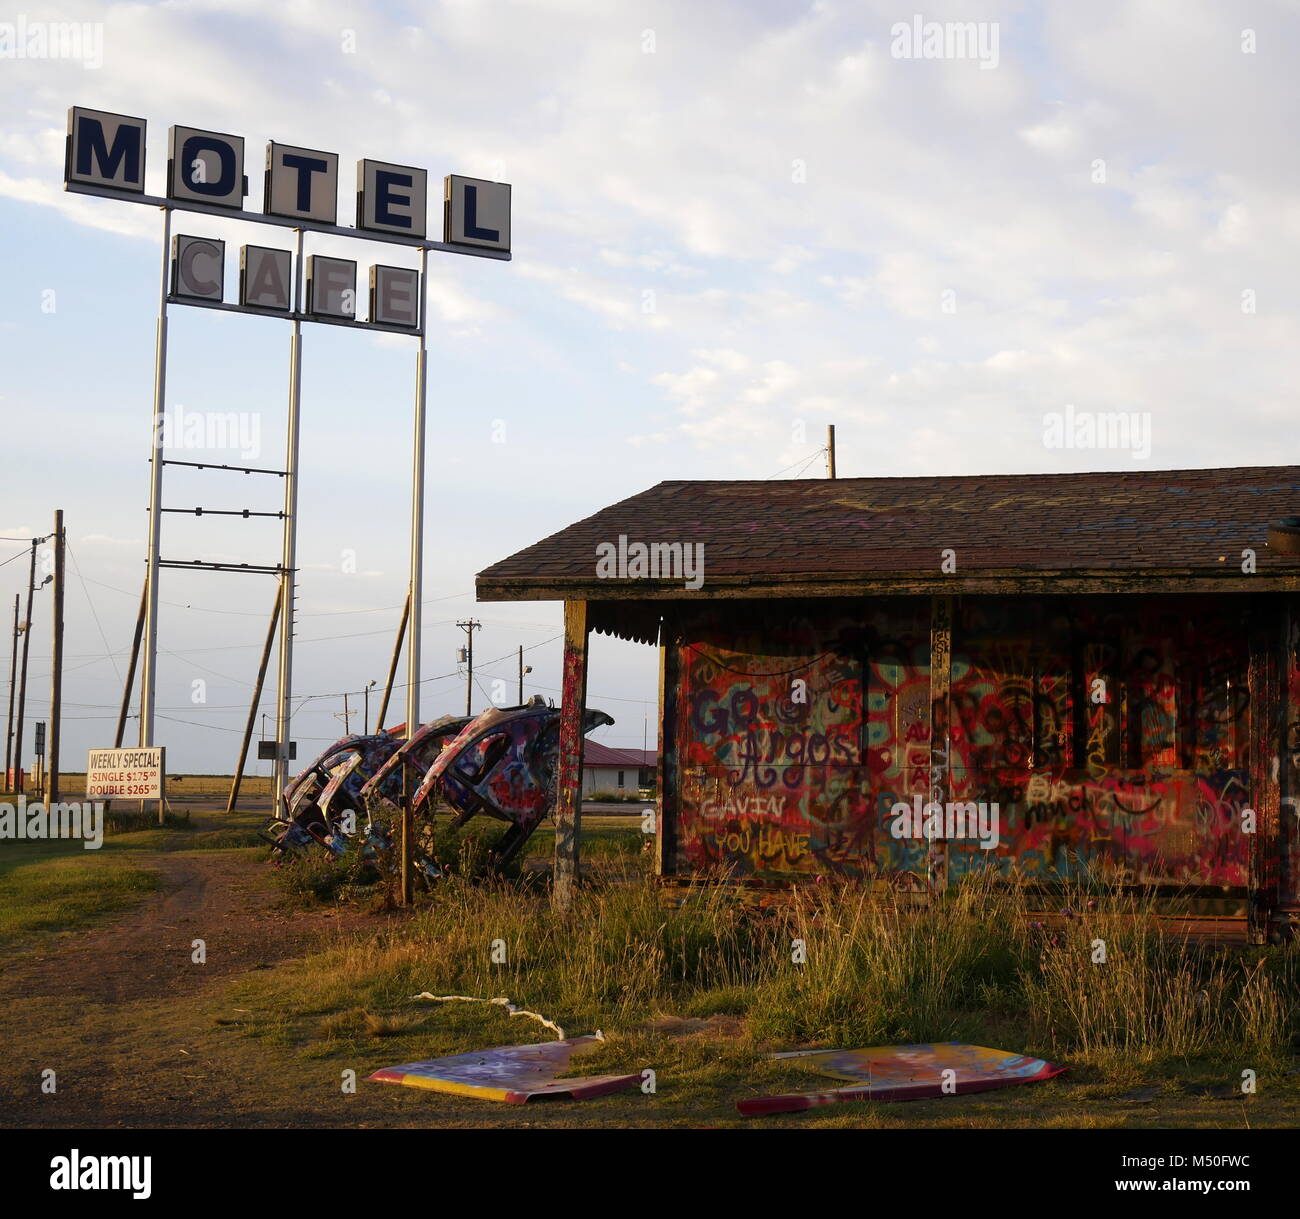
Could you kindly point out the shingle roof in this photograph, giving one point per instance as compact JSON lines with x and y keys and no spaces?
{"x":820,"y":530}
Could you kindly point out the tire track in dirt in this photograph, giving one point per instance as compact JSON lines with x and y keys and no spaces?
{"x":145,"y":953}
{"x":117,"y":1009}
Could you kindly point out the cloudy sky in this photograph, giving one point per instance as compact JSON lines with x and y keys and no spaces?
{"x":734,"y":223}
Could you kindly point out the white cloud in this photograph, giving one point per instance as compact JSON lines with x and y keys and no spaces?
{"x":758,"y":221}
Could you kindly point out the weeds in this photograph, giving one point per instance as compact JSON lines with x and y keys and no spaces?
{"x":877,"y":968}
{"x":123,"y":821}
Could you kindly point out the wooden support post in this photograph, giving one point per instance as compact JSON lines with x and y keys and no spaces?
{"x":130,"y":668}
{"x":392,"y":668}
{"x":940,"y":738}
{"x":22,"y":678}
{"x":1267,"y":634}
{"x":1289,"y":777}
{"x":665,"y":803}
{"x":13,"y":689}
{"x":406,"y":882}
{"x":568,"y":795}
{"x":238,"y":777}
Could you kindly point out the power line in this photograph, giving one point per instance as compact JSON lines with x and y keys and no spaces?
{"x":199,"y":609}
{"x":802,"y":464}
{"x":339,"y":693}
{"x":108,"y":654}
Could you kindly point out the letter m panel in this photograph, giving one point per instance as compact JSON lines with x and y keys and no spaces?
{"x":105,"y":150}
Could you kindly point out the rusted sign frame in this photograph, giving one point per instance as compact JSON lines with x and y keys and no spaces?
{"x":665,"y":809}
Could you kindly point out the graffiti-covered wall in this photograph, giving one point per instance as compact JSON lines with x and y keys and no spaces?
{"x":1107,"y":732}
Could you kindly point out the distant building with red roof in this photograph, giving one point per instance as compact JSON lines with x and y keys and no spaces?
{"x":605,"y":769}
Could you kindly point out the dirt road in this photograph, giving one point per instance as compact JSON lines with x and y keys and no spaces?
{"x":127,"y":1018}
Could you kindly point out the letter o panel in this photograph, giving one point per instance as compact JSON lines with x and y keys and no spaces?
{"x":206,"y":167}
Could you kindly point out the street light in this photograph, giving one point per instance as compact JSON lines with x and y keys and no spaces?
{"x":523,"y":668}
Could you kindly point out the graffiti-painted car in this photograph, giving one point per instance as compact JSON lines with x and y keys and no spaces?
{"x":313,"y":805}
{"x":503,"y":765}
{"x":383,"y":790}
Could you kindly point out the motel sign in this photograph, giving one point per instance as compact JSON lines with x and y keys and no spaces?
{"x":107,"y":151}
{"x":105,"y":155}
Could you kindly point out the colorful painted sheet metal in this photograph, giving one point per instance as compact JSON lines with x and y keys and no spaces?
{"x":905,"y":1072}
{"x":513,"y":1074}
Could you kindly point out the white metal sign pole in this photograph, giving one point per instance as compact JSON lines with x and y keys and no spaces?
{"x":288,"y":559}
{"x":417,"y":512}
{"x":417,"y":579}
{"x":149,"y":676}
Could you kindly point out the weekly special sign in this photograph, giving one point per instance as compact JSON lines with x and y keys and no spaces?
{"x":137,"y":773}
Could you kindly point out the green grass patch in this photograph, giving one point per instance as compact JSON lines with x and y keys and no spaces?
{"x":46,"y":887}
{"x":129,"y":821}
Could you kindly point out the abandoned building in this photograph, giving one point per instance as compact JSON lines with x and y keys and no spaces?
{"x":1106,"y":659}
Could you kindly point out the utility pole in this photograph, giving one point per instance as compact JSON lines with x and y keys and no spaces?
{"x":469,"y":627}
{"x":345,"y":715}
{"x":830,"y":450}
{"x":22,"y":681}
{"x":56,"y":667}
{"x":13,"y":688}
{"x":365,"y":726}
{"x":523,"y":668}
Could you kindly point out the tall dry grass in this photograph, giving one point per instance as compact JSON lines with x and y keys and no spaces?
{"x":833,"y":965}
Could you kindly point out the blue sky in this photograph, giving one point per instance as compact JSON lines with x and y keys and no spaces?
{"x":734,"y":223}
